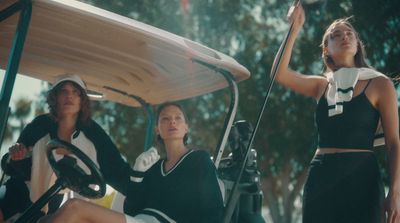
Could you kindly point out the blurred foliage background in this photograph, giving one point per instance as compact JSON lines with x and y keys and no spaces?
{"x":250,"y":31}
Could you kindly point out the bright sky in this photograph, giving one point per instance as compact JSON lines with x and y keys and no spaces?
{"x":24,"y":87}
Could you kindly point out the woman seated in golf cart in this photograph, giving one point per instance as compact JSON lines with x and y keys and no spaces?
{"x":183,"y":187}
{"x":70,"y":121}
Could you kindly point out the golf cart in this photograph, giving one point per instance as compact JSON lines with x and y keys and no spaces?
{"x":128,"y":62}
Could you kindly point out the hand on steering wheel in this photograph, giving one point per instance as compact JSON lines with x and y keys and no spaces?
{"x":73,"y":176}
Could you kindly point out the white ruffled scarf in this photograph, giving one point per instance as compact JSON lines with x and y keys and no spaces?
{"x":340,"y":90}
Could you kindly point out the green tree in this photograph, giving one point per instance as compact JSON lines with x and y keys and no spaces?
{"x":18,"y":117}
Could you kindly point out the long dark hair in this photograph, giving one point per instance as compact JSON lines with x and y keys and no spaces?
{"x":359,"y":58}
{"x":84,"y":115}
{"x":161,"y":108}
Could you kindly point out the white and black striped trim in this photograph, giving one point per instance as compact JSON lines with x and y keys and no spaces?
{"x":176,"y":165}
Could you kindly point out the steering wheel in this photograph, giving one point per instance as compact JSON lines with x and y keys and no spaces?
{"x":73,"y":176}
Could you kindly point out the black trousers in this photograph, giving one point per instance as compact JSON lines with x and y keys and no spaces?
{"x":343,"y":188}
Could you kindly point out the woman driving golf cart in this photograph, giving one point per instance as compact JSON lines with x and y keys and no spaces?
{"x":69,"y":120}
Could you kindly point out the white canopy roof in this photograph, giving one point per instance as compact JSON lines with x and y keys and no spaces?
{"x":111,"y":51}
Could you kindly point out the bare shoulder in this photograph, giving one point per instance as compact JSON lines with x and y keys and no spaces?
{"x":382,"y":84}
{"x":382,"y":91}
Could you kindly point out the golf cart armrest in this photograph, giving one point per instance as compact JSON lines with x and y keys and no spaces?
{"x":19,"y":168}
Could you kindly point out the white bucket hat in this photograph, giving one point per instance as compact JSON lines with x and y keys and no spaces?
{"x":70,"y":77}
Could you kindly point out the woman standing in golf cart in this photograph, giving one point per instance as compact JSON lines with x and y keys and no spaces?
{"x":69,"y":120}
{"x":344,"y":182}
{"x":181,"y":188}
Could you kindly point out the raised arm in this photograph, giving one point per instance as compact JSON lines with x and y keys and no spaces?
{"x":308,"y":85}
